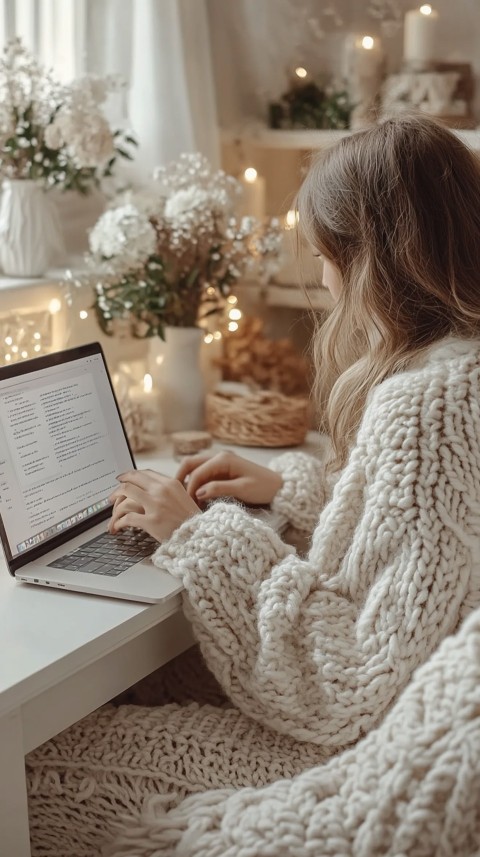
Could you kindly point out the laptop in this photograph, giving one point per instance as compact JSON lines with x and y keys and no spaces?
{"x":62,"y":445}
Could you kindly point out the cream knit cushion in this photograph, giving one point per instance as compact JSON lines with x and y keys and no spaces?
{"x":410,"y":789}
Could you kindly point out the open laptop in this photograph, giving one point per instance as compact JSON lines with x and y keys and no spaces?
{"x":62,"y":445}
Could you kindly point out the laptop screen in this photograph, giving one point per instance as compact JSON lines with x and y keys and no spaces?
{"x":62,"y":444}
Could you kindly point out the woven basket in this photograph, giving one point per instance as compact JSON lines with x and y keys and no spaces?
{"x":262,"y":418}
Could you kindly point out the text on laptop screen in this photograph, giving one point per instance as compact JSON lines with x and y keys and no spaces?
{"x":61,"y":447}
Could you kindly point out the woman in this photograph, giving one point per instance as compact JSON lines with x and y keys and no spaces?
{"x":312,"y":652}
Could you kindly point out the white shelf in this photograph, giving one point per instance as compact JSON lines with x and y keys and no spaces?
{"x":270,"y":138}
{"x":293,"y":297}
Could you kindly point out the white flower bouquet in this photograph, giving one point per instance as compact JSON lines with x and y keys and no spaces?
{"x":170,"y":255}
{"x":55,"y":134}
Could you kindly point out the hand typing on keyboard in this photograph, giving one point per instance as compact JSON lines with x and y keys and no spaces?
{"x":154,"y":503}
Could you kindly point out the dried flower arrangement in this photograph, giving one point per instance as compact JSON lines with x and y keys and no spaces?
{"x":252,"y":358}
{"x":169,"y":255}
{"x":53,"y":133}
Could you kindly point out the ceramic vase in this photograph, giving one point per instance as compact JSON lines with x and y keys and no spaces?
{"x":176,"y":372}
{"x":30,"y":236}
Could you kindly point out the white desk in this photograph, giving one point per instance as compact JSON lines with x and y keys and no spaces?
{"x":64,"y":654}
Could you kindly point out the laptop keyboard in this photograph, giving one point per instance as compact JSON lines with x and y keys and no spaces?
{"x":108,"y":554}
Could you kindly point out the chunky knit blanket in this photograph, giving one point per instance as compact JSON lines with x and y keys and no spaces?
{"x":312,"y":652}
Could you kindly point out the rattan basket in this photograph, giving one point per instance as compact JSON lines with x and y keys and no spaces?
{"x":260,"y":418}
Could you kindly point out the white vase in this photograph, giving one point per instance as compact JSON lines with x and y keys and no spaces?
{"x":30,"y":235}
{"x":176,"y":372}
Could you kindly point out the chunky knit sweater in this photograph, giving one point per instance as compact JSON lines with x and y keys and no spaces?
{"x":319,"y":648}
{"x":313,"y":651}
{"x":411,"y":788}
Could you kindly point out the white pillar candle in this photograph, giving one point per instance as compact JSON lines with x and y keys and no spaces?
{"x":419,"y":41}
{"x":147,"y":400}
{"x":364,"y":58}
{"x":253,"y":197}
{"x":364,"y":71}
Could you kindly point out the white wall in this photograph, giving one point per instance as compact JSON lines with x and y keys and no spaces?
{"x":256,"y":42}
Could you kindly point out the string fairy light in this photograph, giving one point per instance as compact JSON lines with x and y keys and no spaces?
{"x":26,"y":333}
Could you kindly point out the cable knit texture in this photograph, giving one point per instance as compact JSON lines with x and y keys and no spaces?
{"x":409,"y":789}
{"x":312,"y":650}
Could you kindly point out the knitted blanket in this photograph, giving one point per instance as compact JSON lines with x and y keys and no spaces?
{"x":410,"y":789}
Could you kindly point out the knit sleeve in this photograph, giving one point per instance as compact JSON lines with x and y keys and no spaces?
{"x":319,"y":648}
{"x":304,"y":490}
{"x":411,"y":787}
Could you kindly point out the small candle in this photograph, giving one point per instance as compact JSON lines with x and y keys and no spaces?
{"x":253,"y":198}
{"x":144,"y":392}
{"x":419,"y":41}
{"x":147,"y":402}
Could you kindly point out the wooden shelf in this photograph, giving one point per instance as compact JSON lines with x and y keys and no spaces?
{"x":269,"y":138}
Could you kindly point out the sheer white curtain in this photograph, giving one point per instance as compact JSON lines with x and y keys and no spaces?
{"x":160,"y":47}
{"x":162,"y":50}
{"x":53,"y":29}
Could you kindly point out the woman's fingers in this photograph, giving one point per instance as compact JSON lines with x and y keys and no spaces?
{"x":190,"y":463}
{"x":146,"y":479}
{"x":121,"y":507}
{"x":222,"y":488}
{"x":132,"y":492}
{"x":151,"y":501}
{"x":129,"y":519}
{"x":221,"y":466}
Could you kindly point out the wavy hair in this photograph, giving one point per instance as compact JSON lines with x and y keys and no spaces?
{"x":397,"y":209}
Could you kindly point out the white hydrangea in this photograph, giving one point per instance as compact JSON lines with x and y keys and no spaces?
{"x":35,"y":108}
{"x":94,"y":144}
{"x":123,"y":235}
{"x":145,"y":199}
{"x":185,"y":200}
{"x":88,"y":137}
{"x":90,"y":89}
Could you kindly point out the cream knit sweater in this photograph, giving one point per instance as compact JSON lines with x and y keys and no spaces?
{"x":318,"y":648}
{"x":411,"y":788}
{"x":314,"y":650}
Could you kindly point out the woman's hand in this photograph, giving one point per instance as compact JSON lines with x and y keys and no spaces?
{"x":155,"y":503}
{"x":228,"y":475}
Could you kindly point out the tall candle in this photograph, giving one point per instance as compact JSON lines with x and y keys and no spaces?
{"x":364,"y":71}
{"x":253,"y":198}
{"x":419,"y":40}
{"x":363,"y":58}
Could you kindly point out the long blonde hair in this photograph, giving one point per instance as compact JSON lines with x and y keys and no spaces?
{"x":397,"y":209}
